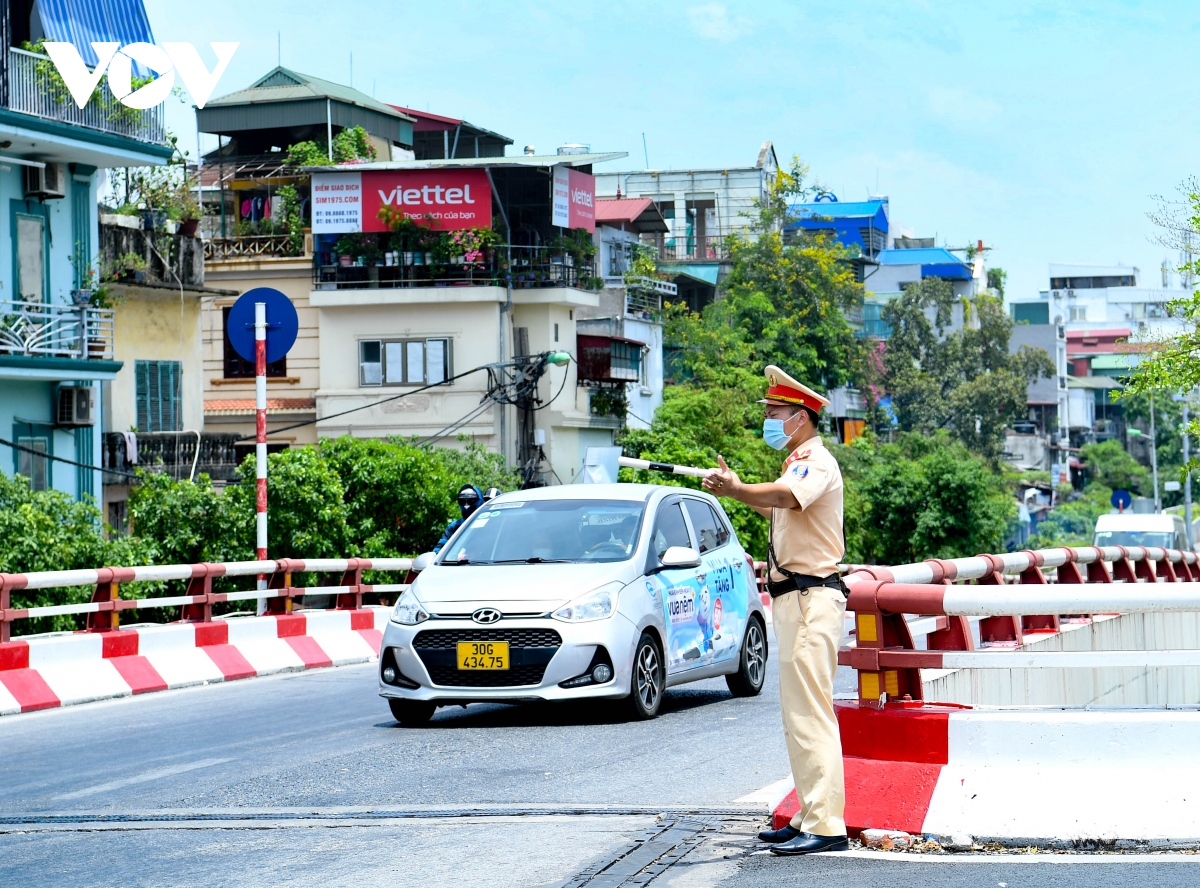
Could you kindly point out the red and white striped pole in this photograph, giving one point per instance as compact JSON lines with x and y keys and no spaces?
{"x":260,"y":428}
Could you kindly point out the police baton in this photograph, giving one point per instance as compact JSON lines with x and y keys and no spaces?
{"x":669,"y":469}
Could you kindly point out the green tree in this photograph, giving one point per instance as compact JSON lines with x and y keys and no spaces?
{"x":783,"y":302}
{"x":1168,"y":438}
{"x":947,"y":366}
{"x":48,"y":530}
{"x":924,"y":496}
{"x":1109,"y":465}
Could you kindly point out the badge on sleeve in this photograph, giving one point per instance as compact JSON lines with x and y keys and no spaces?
{"x":800,"y":471}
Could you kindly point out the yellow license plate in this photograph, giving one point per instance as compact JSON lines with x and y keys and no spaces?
{"x":483,"y":655}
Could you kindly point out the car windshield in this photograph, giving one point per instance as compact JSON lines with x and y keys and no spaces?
{"x":1161,"y":538}
{"x":548,"y":531}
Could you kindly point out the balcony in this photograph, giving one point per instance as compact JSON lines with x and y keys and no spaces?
{"x":32,"y":90}
{"x":532,"y":267}
{"x":695,"y":248}
{"x":172,"y":453}
{"x":643,"y":297}
{"x":256,"y":246}
{"x":609,"y":359}
{"x":162,"y":258}
{"x":56,"y":331}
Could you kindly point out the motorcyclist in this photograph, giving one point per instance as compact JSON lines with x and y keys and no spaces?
{"x":470,"y":498}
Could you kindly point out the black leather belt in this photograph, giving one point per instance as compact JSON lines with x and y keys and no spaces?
{"x":804,"y":582}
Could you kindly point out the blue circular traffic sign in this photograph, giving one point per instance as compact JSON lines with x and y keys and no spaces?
{"x":1121,"y":499}
{"x":282,"y":323}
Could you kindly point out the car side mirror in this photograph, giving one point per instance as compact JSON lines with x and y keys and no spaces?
{"x":422,"y":561}
{"x":679,"y":558}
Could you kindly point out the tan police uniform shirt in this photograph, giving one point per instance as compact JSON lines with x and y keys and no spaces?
{"x":808,"y":539}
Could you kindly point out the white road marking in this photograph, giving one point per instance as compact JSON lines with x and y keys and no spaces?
{"x":770,"y":795}
{"x":1018,"y":857}
{"x":147,"y":777}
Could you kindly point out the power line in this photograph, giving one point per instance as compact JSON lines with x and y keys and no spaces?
{"x":415,"y":391}
{"x":69,"y":462}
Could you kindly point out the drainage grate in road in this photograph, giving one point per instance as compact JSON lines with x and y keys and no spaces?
{"x":649,"y":855}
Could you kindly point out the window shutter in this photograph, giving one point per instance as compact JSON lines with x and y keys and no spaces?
{"x":142,"y":376}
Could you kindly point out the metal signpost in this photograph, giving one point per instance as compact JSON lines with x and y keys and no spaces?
{"x":263,"y":341}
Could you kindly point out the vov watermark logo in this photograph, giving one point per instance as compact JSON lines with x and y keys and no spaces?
{"x":165,"y":61}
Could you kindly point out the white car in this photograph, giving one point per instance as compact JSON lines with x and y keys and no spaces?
{"x":561,"y":593}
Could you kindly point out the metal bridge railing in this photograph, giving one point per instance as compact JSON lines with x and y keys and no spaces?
{"x":103,"y":611}
{"x":1010,"y":595}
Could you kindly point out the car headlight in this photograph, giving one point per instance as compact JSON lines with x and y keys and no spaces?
{"x":408,"y":611}
{"x":599,"y":604}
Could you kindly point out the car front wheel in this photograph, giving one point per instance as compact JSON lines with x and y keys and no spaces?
{"x":412,"y":713}
{"x":748,"y":681}
{"x":649,"y":679}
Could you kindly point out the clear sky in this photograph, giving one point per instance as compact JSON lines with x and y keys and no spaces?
{"x":1040,"y":128}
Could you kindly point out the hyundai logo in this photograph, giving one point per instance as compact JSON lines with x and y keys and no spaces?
{"x":486,"y":615}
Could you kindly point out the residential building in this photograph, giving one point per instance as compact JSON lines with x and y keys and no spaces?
{"x":437,"y":136}
{"x":153,"y":409}
{"x":629,"y":312}
{"x":395,"y":316}
{"x":244,"y":249}
{"x":56,"y":349}
{"x":701,"y":207}
{"x":1094,"y":297}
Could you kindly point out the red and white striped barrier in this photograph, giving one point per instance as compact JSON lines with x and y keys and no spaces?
{"x":1141,"y":580}
{"x":43,"y":672}
{"x":1019,"y":776}
{"x":103,"y":661}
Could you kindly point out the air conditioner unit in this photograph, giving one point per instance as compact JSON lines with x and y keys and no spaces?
{"x":47,"y":182}
{"x":76,"y":405}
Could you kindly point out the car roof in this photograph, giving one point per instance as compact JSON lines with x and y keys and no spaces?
{"x":633,"y":492}
{"x":1143,"y":522}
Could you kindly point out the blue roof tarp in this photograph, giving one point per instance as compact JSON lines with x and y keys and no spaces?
{"x":847,"y":221}
{"x":935,"y":262}
{"x":80,"y":22}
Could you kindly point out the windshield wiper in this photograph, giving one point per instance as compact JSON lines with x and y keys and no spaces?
{"x":535,"y":559}
{"x":459,"y":561}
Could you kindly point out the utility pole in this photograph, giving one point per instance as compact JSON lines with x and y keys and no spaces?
{"x":1187,"y":484}
{"x":1154,"y":458}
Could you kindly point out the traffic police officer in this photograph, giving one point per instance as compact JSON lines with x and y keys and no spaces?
{"x":808,"y":605}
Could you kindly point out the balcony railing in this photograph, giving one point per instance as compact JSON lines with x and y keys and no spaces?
{"x":172,"y":453}
{"x":56,"y":331}
{"x":643,"y":297}
{"x":703,"y":248}
{"x":32,"y":90}
{"x":255,"y":246}
{"x":532,"y":267}
{"x":166,"y":258}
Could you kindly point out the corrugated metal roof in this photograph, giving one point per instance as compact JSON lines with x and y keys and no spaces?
{"x":639,"y":211}
{"x":79,"y":22}
{"x":838,"y":209}
{"x":521,"y":160}
{"x":919,"y":256}
{"x":285,"y":85}
{"x":427,"y":122}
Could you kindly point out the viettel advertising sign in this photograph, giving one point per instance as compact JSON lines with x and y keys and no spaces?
{"x":443,"y":200}
{"x":574,"y":199}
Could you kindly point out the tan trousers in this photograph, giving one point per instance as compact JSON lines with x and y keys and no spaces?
{"x":808,"y":630}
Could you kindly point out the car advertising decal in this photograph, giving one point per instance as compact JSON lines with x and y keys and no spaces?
{"x":706,"y":615}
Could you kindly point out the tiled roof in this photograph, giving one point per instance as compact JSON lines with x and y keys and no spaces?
{"x":246,"y":405}
{"x":624,"y":209}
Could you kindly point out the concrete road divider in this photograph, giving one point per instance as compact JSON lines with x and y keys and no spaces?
{"x":1049,"y":777}
{"x":43,"y":672}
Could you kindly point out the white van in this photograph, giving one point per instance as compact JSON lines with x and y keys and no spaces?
{"x":1130,"y":529}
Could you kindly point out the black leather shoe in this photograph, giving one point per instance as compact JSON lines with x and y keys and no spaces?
{"x":785,"y":833}
{"x":807,"y":843}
